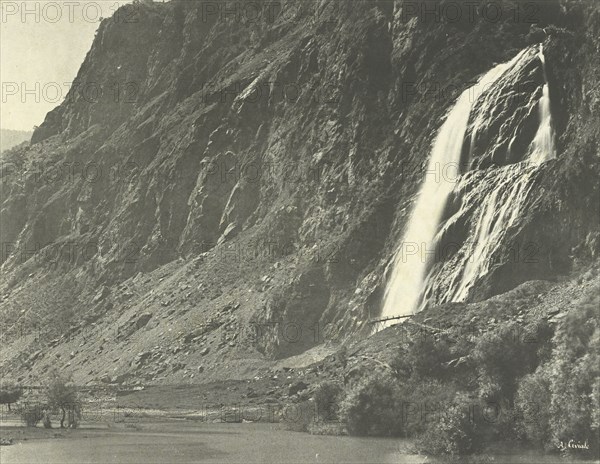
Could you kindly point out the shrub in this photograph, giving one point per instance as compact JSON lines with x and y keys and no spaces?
{"x":326,"y":400}
{"x":342,"y":356}
{"x":573,"y":375}
{"x":31,"y":414}
{"x":596,"y":405}
{"x":299,"y":417}
{"x":532,"y":404}
{"x":560,"y":400}
{"x":426,"y":355}
{"x":46,"y":421}
{"x":383,"y":405}
{"x":453,"y":433}
{"x":373,"y":407}
{"x":327,"y":397}
{"x":505,"y":354}
{"x":319,"y":416}
{"x":421,"y":400}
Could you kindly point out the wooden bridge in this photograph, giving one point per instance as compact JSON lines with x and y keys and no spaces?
{"x":389,"y":318}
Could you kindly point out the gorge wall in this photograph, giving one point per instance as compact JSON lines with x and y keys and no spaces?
{"x":237,"y":189}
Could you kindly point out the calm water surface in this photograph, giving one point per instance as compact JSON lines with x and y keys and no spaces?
{"x":185,"y":442}
{"x":210,"y":443}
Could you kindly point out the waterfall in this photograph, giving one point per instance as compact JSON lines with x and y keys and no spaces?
{"x":507,"y":200}
{"x":502,"y":209}
{"x":403,"y":294}
{"x":505,"y":190}
{"x":542,"y":147}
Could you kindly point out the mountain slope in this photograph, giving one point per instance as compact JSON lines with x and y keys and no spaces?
{"x":238,"y":199}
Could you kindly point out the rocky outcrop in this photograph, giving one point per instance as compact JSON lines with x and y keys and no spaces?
{"x":289,"y":148}
{"x":507,"y":117}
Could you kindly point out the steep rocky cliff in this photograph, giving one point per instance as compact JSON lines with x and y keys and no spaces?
{"x":220,"y":190}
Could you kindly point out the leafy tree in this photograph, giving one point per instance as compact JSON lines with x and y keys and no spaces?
{"x":454,"y":433}
{"x":560,"y":401}
{"x":327,"y":398}
{"x":10,"y":394}
{"x":427,"y":353}
{"x":532,"y":404}
{"x":373,"y":407}
{"x":573,"y":374}
{"x":507,"y":353}
{"x":62,"y":395}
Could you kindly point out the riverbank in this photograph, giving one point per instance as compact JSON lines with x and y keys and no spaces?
{"x":156,"y":440}
{"x":181,"y":441}
{"x":457,"y":341}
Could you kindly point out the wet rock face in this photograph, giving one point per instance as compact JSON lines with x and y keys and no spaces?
{"x":290,"y":147}
{"x":495,"y":195}
{"x":505,"y":118}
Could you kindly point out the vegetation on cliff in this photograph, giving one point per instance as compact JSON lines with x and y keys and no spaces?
{"x":239,"y":199}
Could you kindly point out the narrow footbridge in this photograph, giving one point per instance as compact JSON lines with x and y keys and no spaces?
{"x":389,"y":318}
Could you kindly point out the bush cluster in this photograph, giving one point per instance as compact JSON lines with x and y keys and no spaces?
{"x":534,"y":383}
{"x":31,"y":414}
{"x":566,"y":388}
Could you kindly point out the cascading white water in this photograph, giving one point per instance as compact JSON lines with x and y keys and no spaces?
{"x":502,"y":209}
{"x":506,"y":202}
{"x":403,"y":294}
{"x":542,"y":147}
{"x":506,"y":196}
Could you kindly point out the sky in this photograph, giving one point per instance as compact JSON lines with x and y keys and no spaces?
{"x":42,"y":46}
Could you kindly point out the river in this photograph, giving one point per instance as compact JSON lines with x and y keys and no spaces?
{"x":184,"y":442}
{"x":177,"y":442}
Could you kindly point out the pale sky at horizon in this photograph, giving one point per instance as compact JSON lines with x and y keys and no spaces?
{"x":42,"y":46}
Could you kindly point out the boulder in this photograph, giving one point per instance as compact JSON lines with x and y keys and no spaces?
{"x":297,"y":387}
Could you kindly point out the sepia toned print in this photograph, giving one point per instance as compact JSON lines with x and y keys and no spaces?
{"x":299,"y":231}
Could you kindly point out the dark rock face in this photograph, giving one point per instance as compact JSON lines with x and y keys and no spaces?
{"x":290,"y":148}
{"x":297,"y":387}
